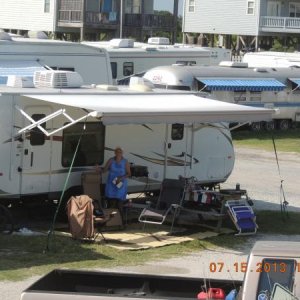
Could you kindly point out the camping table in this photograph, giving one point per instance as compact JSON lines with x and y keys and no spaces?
{"x":224,"y":196}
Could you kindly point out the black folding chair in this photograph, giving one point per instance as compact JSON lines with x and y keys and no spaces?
{"x":170,"y":197}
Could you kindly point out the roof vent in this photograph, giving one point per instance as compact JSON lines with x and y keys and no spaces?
{"x":4,"y":36}
{"x":19,"y":81}
{"x":121,"y":43}
{"x":233,"y":64}
{"x":57,"y":79}
{"x":159,"y":41}
{"x":107,"y":87}
{"x":140,"y":84}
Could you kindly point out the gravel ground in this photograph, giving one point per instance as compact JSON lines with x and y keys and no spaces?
{"x":257,"y":172}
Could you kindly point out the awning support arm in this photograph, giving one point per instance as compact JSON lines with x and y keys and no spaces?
{"x":50,"y":117}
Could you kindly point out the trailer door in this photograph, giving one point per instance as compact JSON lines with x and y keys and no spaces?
{"x":178,"y":151}
{"x":36,"y":155}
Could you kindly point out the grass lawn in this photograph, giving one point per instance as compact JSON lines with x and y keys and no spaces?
{"x":288,"y":141}
{"x":25,"y":256}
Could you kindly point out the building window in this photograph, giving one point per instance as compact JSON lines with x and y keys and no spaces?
{"x":37,"y":137}
{"x":47,"y":6}
{"x":114,"y":69}
{"x":191,"y":5}
{"x":177,"y":132}
{"x":128,"y":68}
{"x":294,"y":10}
{"x":250,"y":7}
{"x":91,"y":148}
{"x":133,"y":7}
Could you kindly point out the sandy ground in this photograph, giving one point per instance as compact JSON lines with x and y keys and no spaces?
{"x":257,"y":172}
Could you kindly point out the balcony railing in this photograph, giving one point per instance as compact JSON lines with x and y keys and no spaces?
{"x":69,"y":16}
{"x":280,"y":23}
{"x":112,"y":18}
{"x":139,"y":20}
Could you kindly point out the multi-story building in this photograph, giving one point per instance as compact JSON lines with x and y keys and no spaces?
{"x":87,"y":19}
{"x":255,"y":22}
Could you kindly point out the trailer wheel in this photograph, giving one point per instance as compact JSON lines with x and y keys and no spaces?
{"x":270,"y":126}
{"x":284,"y":124}
{"x":6,"y":221}
{"x":256,"y":126}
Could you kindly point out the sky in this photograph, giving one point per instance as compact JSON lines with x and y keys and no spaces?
{"x":168,"y":5}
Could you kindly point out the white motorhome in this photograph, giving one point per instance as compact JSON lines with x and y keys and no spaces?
{"x":128,"y":57}
{"x":277,"y":88}
{"x":23,"y":56}
{"x":40,"y":128}
{"x":272,"y":59}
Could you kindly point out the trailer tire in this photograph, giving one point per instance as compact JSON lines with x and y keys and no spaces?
{"x":284,"y":124}
{"x":6,"y":221}
{"x":256,"y":126}
{"x":270,"y":126}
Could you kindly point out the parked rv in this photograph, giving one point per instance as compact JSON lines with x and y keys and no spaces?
{"x":128,"y":57}
{"x":40,"y":128}
{"x":271,"y":273}
{"x":272,"y":59}
{"x":23,"y":56}
{"x":277,"y":88}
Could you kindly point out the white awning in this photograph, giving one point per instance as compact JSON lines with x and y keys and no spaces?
{"x":117,"y":108}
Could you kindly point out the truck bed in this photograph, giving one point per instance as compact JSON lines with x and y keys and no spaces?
{"x":64,"y":284}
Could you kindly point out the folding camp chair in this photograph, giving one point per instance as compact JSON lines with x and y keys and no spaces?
{"x":83,"y":220}
{"x":170,"y":197}
{"x":242,"y":216}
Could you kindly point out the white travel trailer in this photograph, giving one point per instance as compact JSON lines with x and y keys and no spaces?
{"x":128,"y":57}
{"x":23,"y":56}
{"x":40,"y":128}
{"x":272,"y":59}
{"x":277,"y":88}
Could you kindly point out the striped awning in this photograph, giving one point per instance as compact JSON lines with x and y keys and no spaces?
{"x":223,"y":84}
{"x":19,"y":68}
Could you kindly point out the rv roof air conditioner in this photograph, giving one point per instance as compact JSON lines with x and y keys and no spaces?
{"x":233,"y":64}
{"x":57,"y":79}
{"x":121,"y":43}
{"x":159,"y":41}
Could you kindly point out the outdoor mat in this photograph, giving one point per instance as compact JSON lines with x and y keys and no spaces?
{"x":135,"y":238}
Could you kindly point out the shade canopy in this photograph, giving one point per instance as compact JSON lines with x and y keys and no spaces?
{"x":296,"y":81}
{"x":232,"y":84}
{"x":121,"y":108}
{"x":24,"y":68}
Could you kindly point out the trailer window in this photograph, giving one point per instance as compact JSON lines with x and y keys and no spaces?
{"x":177,"y":132}
{"x":273,"y":271}
{"x":91,"y":148}
{"x":255,"y":96}
{"x":63,"y":68}
{"x":239,"y":96}
{"x":186,"y":62}
{"x":37,"y":137}
{"x":128,"y":68}
{"x":114,"y":69}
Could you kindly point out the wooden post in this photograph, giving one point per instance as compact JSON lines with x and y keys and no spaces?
{"x":175,"y":15}
{"x":143,"y":21}
{"x":82,"y":28}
